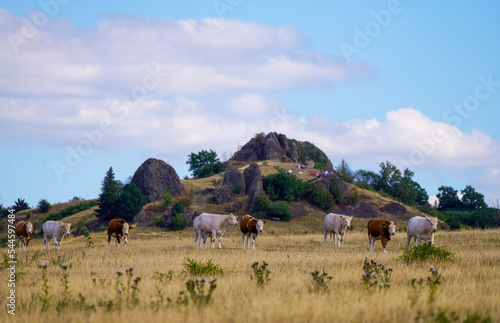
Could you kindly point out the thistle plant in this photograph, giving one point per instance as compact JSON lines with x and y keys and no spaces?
{"x":320,"y":281}
{"x":66,"y":294}
{"x":376,"y":276}
{"x":45,"y":296}
{"x":261,"y":274}
{"x":196,"y":290}
{"x":433,"y":281}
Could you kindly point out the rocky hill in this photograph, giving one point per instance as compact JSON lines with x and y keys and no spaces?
{"x":274,"y":146}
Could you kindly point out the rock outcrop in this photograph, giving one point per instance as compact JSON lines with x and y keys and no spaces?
{"x":274,"y":146}
{"x":234,"y":178}
{"x":153,"y":176}
{"x":254,"y":184}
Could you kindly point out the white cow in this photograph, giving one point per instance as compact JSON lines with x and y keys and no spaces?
{"x":421,"y":228}
{"x":336,"y":224}
{"x":213,"y":224}
{"x":56,"y":231}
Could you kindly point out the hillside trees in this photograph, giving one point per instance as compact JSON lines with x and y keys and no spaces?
{"x":20,"y":205}
{"x":117,"y":201}
{"x":204,"y":164}
{"x":448,"y":198}
{"x":44,"y":205}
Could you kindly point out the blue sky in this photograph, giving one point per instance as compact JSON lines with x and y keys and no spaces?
{"x":89,"y":85}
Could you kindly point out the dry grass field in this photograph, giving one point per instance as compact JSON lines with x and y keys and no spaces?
{"x":471,"y":288}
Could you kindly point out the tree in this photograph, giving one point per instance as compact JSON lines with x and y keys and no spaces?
{"x":110,"y":193}
{"x":204,"y":164}
{"x":389,"y":175}
{"x":366,"y":178}
{"x":422,"y":196}
{"x":345,"y":171}
{"x":20,"y":205}
{"x":472,"y":200}
{"x":448,"y":198}
{"x":44,"y":205}
{"x":130,"y":202}
{"x":284,"y":186}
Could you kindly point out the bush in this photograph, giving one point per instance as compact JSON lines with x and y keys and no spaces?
{"x":337,"y":193}
{"x":179,"y":222}
{"x":44,"y":206}
{"x":426,"y":252}
{"x":321,"y":198}
{"x":197,"y":268}
{"x":280,"y":209}
{"x":82,"y":206}
{"x":263,"y":203}
{"x":284,"y":186}
{"x":167,"y":197}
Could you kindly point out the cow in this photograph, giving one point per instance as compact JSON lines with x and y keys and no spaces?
{"x":336,"y":224}
{"x":380,"y":229}
{"x":118,"y":228}
{"x":211,"y":224}
{"x":56,"y":231}
{"x":421,"y":228}
{"x":250,"y":227}
{"x":24,"y":231}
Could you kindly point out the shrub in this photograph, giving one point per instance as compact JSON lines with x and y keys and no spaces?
{"x":321,"y":198}
{"x":197,"y":268}
{"x":280,"y":209}
{"x":167,"y":197}
{"x":319,"y":282}
{"x":179,"y":222}
{"x":196,"y":291}
{"x":82,"y":206}
{"x":263,"y":203}
{"x":44,"y":206}
{"x":426,"y":252}
{"x":337,"y":193}
{"x":284,"y":186}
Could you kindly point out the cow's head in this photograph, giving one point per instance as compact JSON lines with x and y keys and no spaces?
{"x":125,"y":229}
{"x":232,"y":219}
{"x":260,"y":225}
{"x":29,"y":228}
{"x":392,"y":228}
{"x":346,"y":221}
{"x":432,"y":223}
{"x":65,"y":228}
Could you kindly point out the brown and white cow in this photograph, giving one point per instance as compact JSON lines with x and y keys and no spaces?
{"x":250,"y":227}
{"x":380,"y":229}
{"x":118,"y":228}
{"x":24,"y":231}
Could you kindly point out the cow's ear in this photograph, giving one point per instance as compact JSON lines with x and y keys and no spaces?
{"x":395,"y":223}
{"x":130,"y":228}
{"x":342,"y":216}
{"x":263,"y":221}
{"x":61,"y":226}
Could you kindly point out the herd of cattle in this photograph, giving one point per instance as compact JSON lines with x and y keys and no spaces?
{"x":215,"y":225}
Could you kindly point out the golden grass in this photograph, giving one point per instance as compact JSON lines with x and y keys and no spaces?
{"x":472,"y":280}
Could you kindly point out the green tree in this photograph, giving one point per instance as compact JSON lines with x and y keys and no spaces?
{"x":178,"y":221}
{"x":130,"y":202}
{"x":389,"y":175}
{"x":422,"y":196}
{"x":345,"y":172}
{"x":448,"y":198}
{"x":204,"y":164}
{"x":284,"y":186}
{"x":20,"y":205}
{"x":471,"y":199}
{"x":321,"y":198}
{"x":110,"y":192}
{"x":44,"y":205}
{"x":366,"y":178}
{"x":280,"y":209}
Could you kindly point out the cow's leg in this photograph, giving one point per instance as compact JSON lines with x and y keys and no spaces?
{"x":204,"y":239}
{"x":243,"y":240}
{"x":46,"y":241}
{"x":336,"y":239}
{"x":248,"y":238}
{"x":125,"y":239}
{"x":253,"y":241}
{"x":384,"y":243}
{"x":408,"y":240}
{"x":195,"y":232}
{"x":431,"y":235}
{"x":117,"y":241}
{"x":212,"y":239}
{"x":20,"y":242}
{"x":326,"y":234}
{"x":25,"y":243}
{"x":342,"y":236}
{"x":109,"y":239}
{"x":55,"y":242}
{"x":220,"y":237}
{"x":370,"y":242}
{"x":418,"y":239}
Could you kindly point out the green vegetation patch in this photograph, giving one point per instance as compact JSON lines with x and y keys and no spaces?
{"x":426,"y":252}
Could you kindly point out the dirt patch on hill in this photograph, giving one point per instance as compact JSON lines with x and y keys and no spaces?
{"x":394,"y":209}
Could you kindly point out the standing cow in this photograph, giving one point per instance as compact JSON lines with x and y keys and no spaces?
{"x":118,"y":228}
{"x":336,"y":224}
{"x":380,"y":229}
{"x":421,"y":228}
{"x":24,"y":231}
{"x":56,"y":231}
{"x":211,"y":224}
{"x":250,"y":227}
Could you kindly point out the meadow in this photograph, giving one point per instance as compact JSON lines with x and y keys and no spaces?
{"x":91,"y":290}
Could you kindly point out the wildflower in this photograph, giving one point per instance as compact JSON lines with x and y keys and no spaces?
{"x":64,"y":266}
{"x":119,"y":273}
{"x":43,"y":265}
{"x":389,"y":269}
{"x":120,"y":290}
{"x":93,"y":280}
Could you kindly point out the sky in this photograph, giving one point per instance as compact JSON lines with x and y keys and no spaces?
{"x":89,"y":85}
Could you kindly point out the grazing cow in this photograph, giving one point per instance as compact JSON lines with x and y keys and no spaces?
{"x":211,"y":224}
{"x":56,"y":231}
{"x":24,"y":231}
{"x":250,"y":227}
{"x":336,"y":223}
{"x":421,"y":228}
{"x":118,"y":228}
{"x":380,"y":229}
